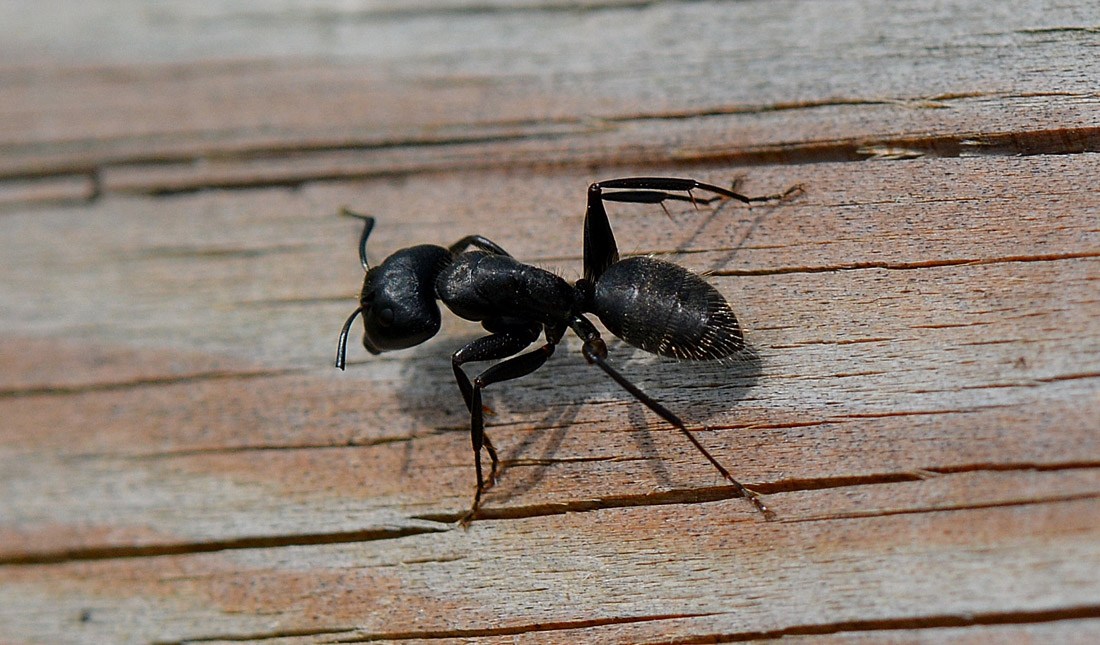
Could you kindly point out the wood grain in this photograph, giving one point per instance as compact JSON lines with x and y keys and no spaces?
{"x":179,"y":462}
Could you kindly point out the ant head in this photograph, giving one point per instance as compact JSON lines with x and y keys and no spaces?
{"x":398,"y":301}
{"x":398,"y":298}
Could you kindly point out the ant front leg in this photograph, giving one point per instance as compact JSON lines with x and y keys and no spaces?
{"x":495,"y":346}
{"x":478,"y":242}
{"x":595,"y":352}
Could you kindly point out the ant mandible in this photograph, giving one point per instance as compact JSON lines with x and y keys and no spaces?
{"x":652,"y":304}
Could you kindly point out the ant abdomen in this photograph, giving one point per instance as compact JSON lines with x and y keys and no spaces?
{"x":665,"y":309}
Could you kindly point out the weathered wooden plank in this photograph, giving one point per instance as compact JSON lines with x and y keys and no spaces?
{"x":913,"y":359}
{"x":595,"y":570}
{"x":756,"y":82}
{"x":769,"y":138}
{"x":179,"y":462}
{"x":159,"y":277}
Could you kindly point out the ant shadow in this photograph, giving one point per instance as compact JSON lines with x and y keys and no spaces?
{"x":551,"y":399}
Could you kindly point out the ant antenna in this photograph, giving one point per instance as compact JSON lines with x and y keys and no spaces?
{"x":368,"y":224}
{"x":342,"y":347}
{"x":367,"y":227}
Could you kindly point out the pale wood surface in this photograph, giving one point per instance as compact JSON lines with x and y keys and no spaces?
{"x":179,"y":462}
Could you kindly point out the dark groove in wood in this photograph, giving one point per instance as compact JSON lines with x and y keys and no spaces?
{"x":68,"y":390}
{"x":1057,"y":142}
{"x":900,"y":623}
{"x":261,"y":636}
{"x":449,"y":520}
{"x":906,"y":266}
{"x":723,"y":493}
{"x":1045,"y":142}
{"x":190,"y":548}
{"x":941,"y":621}
{"x":517,"y":629}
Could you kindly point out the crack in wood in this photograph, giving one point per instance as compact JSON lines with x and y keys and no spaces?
{"x":938,"y":621}
{"x":290,"y":447}
{"x":549,"y":461}
{"x":1026,"y":382}
{"x":356,"y":636}
{"x":935,"y":621}
{"x":917,"y":413}
{"x":1057,"y":142}
{"x":1017,"y":143}
{"x":156,"y":381}
{"x":1015,"y":466}
{"x":906,"y":266}
{"x":517,"y":630}
{"x":1061,"y":141}
{"x":259,"y":636}
{"x":723,"y":493}
{"x":499,"y":131}
{"x":190,"y":548}
{"x":443,"y":522}
{"x":1051,"y":499}
{"x":213,"y":253}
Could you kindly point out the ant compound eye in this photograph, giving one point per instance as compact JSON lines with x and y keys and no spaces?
{"x":385,"y":317}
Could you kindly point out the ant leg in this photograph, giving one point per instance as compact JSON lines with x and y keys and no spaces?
{"x":498,"y":345}
{"x":477,"y":241}
{"x":651,"y":190}
{"x":600,"y":250}
{"x":512,"y":368}
{"x":490,"y":348}
{"x":595,"y":352}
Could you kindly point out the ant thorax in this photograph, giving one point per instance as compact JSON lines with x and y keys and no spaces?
{"x":481,"y":286}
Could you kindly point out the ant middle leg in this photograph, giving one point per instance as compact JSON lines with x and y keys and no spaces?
{"x":499,"y":345}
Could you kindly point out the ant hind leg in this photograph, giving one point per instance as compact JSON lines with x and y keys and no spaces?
{"x":595,"y":352}
{"x":600,"y":250}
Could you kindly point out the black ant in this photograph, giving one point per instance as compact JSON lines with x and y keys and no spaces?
{"x":652,"y":304}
